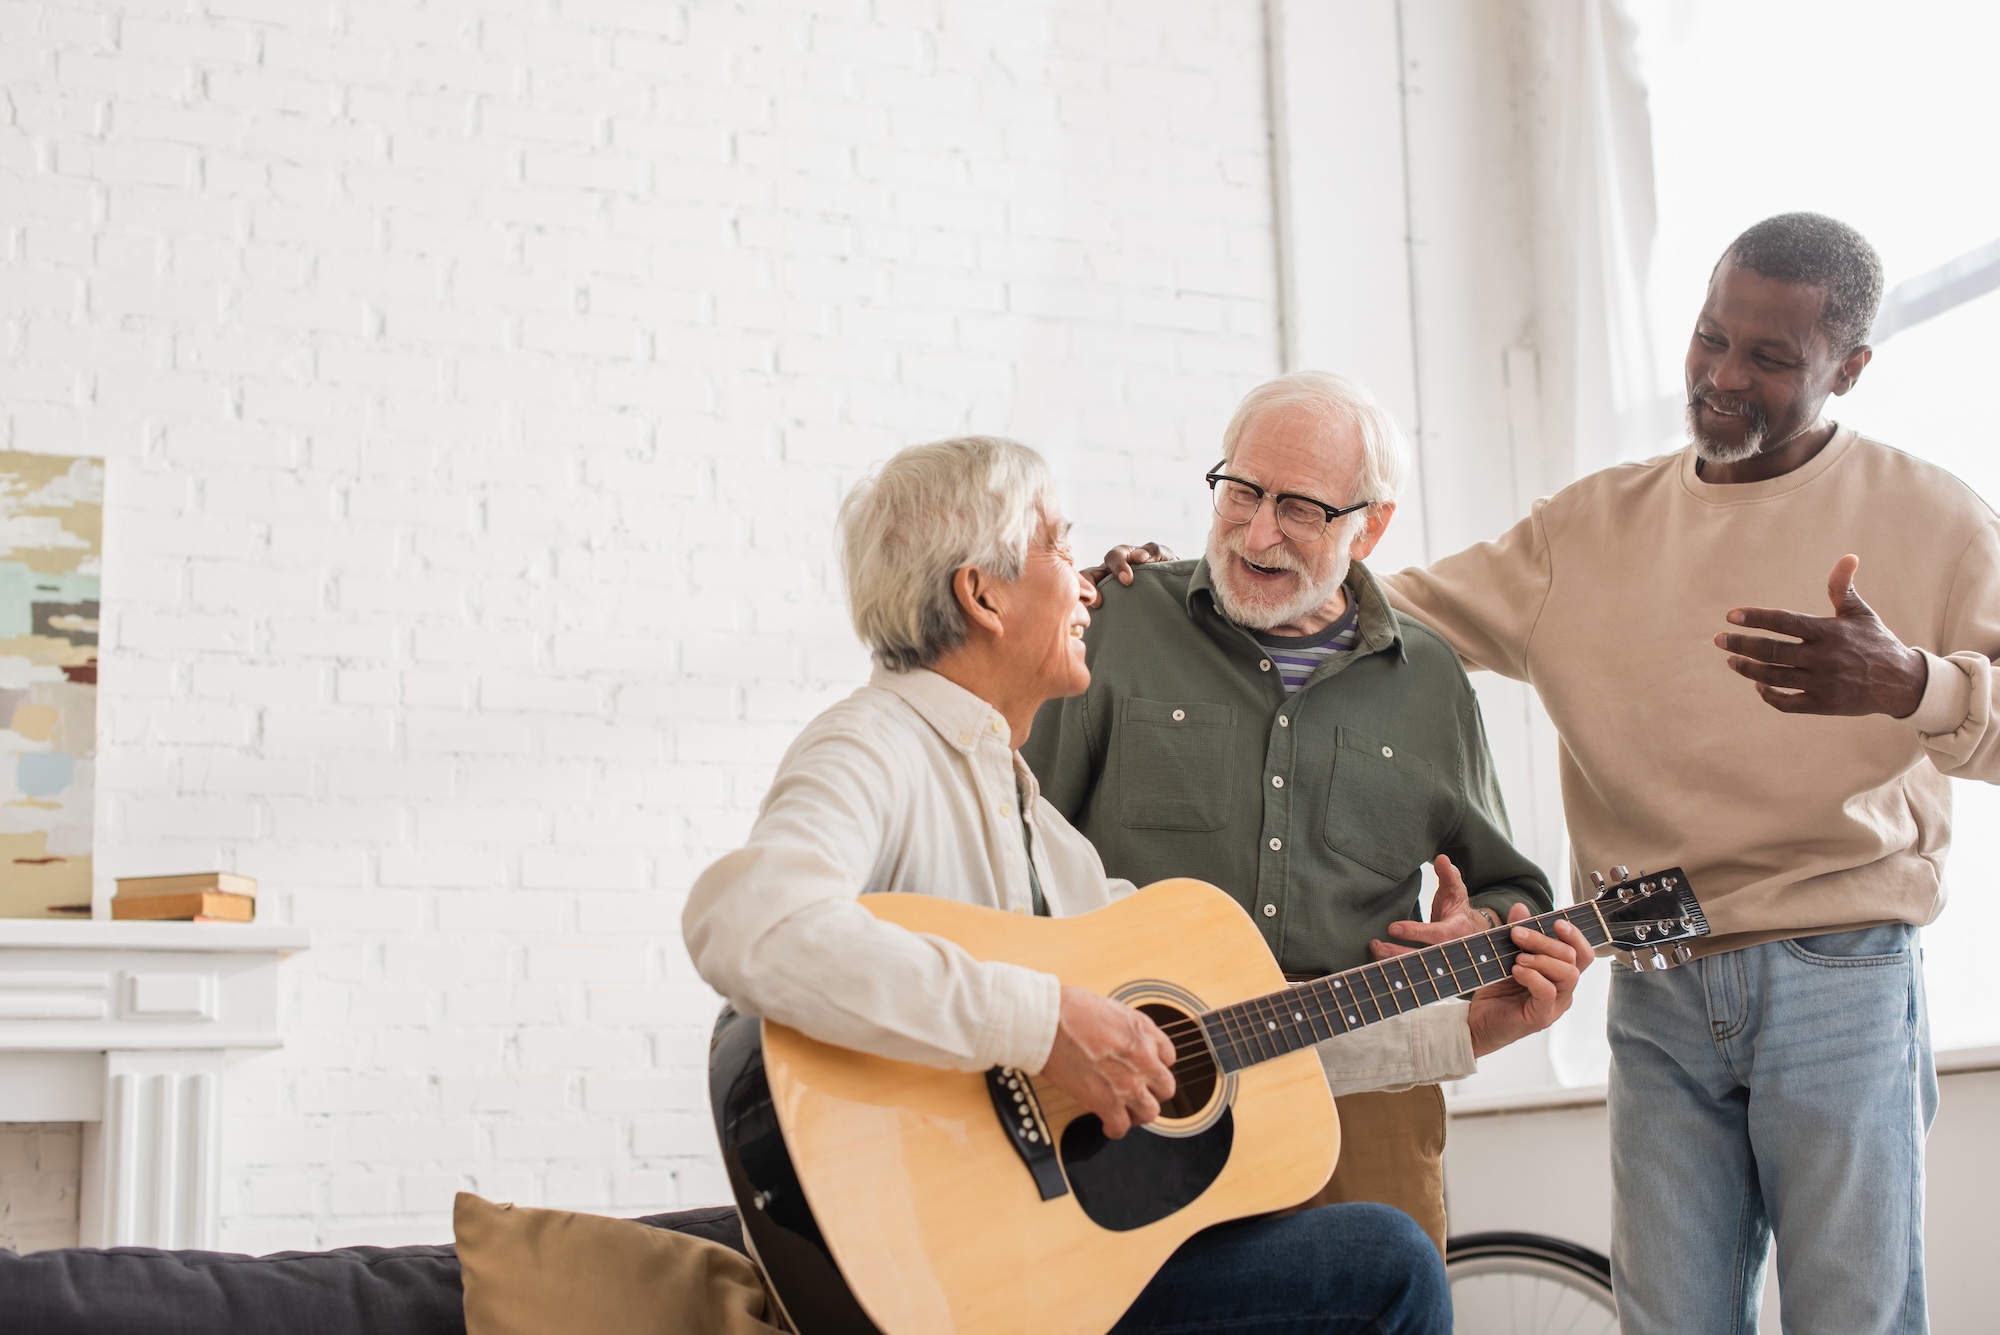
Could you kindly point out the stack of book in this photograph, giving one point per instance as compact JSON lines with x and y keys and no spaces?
{"x":209,"y":896}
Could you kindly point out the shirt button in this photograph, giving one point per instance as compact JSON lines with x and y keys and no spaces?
{"x":1388,"y":751}
{"x":1270,"y":910}
{"x":1277,"y":781}
{"x":1263,"y":665}
{"x":1284,"y":722}
{"x":965,"y":739}
{"x":1277,"y":844}
{"x":1003,"y":809}
{"x":995,"y":725}
{"x":1179,"y":714}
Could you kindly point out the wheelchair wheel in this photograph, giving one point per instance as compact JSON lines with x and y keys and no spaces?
{"x":1527,"y":1284}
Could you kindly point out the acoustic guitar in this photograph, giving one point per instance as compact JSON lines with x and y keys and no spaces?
{"x":887,"y":1198}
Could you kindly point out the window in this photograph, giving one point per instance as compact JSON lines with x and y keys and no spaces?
{"x":1884,"y":116}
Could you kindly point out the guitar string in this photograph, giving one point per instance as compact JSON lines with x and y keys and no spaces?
{"x":1197,"y":1058}
{"x":1494,"y":939}
{"x":1188,"y":1023}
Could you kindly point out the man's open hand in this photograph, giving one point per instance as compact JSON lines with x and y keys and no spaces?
{"x":1120,"y":560}
{"x":1848,"y":663}
{"x":1112,"y":1060}
{"x":1452,"y":916}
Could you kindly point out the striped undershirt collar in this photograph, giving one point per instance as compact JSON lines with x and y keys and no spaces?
{"x":1297,"y":657}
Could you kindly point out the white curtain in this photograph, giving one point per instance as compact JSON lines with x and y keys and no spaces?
{"x":1605,"y":399}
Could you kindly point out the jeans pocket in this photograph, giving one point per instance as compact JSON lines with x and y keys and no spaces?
{"x":1869,"y":947}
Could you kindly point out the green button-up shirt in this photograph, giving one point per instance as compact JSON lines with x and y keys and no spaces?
{"x":1316,"y":811}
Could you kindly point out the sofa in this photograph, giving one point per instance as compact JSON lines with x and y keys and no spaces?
{"x":348,"y":1291}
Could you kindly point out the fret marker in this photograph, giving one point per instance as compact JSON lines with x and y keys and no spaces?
{"x":1350,"y":1019}
{"x":1438,"y":972}
{"x":1482,"y":959}
{"x":1399,"y":985}
{"x":1300,"y":1016}
{"x":1336,"y":984}
{"x":1271,"y":1024}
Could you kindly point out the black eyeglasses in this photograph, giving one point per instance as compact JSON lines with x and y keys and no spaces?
{"x":1300,"y":518}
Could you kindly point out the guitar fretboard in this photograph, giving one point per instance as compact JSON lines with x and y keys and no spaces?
{"x":1257,"y":1030}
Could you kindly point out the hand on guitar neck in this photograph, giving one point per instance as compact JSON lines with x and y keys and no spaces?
{"x":1111,"y":1059}
{"x":1543,"y":982}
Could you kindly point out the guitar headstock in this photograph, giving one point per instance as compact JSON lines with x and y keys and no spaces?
{"x":1645,"y":914}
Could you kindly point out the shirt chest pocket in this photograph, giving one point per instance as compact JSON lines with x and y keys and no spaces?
{"x":1378,"y":806}
{"x":1174,"y":764}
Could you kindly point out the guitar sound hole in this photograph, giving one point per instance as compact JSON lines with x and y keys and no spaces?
{"x":1194,"y":1067}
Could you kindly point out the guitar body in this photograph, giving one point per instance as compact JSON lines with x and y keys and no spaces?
{"x":883,"y":1196}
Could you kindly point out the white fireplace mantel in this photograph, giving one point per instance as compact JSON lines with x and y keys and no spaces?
{"x":125,"y":1027}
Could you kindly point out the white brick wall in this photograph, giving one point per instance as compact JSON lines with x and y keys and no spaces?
{"x":479,"y":380}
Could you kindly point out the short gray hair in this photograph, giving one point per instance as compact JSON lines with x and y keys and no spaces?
{"x":921,"y":517}
{"x":1813,"y":250}
{"x":1327,"y":398}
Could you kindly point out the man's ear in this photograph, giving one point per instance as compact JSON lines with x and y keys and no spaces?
{"x":978,"y":599}
{"x":1371,"y":532}
{"x":1850,"y":368}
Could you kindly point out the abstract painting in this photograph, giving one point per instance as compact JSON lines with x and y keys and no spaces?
{"x":51,"y":550}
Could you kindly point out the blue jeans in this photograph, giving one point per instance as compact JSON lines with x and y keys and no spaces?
{"x":1334,"y":1270}
{"x":1782,"y":1089}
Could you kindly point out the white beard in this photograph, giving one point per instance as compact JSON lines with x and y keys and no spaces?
{"x":1722,"y":452}
{"x":1225,"y":545}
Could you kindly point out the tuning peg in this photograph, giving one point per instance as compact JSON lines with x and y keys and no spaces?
{"x":1682,"y":954}
{"x":1660,"y":961}
{"x":1597,"y":880}
{"x":1620,"y":874}
{"x":1638,"y":966}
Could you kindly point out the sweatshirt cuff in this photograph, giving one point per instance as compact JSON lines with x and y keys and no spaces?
{"x":1026,"y":1005}
{"x":1947,"y":700}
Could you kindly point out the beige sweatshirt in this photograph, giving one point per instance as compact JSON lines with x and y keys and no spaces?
{"x":1608,"y":597}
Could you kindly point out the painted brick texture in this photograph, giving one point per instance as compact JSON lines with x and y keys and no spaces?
{"x":478,"y":383}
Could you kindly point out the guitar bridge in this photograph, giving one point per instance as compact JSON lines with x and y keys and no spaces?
{"x":1020,"y":1114}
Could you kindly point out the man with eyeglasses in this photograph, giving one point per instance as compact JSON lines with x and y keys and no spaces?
{"x":1263,"y":720}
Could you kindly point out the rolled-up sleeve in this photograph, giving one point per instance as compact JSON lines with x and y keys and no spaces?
{"x":776,"y":927}
{"x":1420,"y":1048}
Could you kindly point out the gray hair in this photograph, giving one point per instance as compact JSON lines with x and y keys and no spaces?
{"x":1329,"y":398}
{"x":921,"y":517}
{"x":1813,"y":250}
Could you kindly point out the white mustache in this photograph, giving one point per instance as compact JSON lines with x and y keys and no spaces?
{"x":1277,"y":558}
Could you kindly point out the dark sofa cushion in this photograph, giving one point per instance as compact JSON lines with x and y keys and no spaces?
{"x":351,"y":1291}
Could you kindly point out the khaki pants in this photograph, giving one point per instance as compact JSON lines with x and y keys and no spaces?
{"x":1392,"y":1151}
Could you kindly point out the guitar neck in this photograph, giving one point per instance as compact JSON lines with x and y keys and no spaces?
{"x":1271,"y":1026}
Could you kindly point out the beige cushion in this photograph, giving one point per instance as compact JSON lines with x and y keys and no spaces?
{"x":549,"y":1272}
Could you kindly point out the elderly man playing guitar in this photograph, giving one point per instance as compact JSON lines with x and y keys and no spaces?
{"x":961,"y":583}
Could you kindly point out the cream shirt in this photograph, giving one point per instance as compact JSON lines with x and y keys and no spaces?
{"x":909,"y":786}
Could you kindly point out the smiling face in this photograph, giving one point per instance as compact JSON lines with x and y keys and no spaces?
{"x":1264,"y":580}
{"x":1053,"y":604}
{"x":1759,"y":366}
